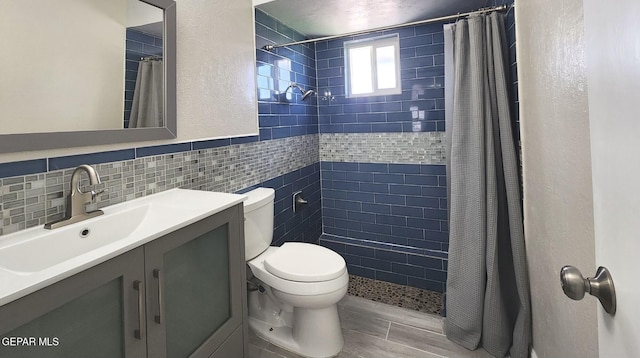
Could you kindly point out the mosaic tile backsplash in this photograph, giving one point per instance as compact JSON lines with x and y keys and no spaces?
{"x":32,"y":200}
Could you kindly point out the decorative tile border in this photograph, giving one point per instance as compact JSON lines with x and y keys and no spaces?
{"x":408,"y":148}
{"x":36,"y":198}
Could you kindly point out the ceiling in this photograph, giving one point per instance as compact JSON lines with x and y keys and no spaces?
{"x":333,"y":17}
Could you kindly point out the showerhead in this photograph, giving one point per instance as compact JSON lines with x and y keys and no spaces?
{"x":305,"y":94}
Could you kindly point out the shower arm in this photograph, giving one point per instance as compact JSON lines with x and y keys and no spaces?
{"x":305,"y":94}
{"x":295,"y":85}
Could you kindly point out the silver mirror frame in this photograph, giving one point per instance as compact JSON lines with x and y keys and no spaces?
{"x":10,"y":143}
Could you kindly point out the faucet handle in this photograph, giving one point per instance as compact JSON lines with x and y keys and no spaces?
{"x":96,"y":193}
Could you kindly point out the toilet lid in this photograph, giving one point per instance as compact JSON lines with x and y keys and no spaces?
{"x":296,"y":261}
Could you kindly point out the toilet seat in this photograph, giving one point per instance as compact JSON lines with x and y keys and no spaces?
{"x":302,"y":262}
{"x":258,"y":269}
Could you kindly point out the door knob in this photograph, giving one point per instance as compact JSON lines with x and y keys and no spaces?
{"x":601,"y":286}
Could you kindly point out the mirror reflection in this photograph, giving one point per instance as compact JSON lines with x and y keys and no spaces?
{"x":80,"y":65}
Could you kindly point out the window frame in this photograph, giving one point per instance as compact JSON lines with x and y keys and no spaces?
{"x":374,"y":42}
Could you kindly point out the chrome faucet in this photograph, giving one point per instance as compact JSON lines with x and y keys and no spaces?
{"x":76,"y":201}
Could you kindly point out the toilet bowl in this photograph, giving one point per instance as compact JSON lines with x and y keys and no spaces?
{"x":299,"y":286}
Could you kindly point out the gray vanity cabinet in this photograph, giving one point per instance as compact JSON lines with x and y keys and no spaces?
{"x":91,"y":314}
{"x":181,"y":295}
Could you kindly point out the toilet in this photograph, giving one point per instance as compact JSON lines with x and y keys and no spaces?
{"x":295,"y":288}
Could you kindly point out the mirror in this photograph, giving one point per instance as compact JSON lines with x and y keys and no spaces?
{"x":86,"y":72}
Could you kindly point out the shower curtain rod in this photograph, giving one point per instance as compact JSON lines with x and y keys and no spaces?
{"x":437,"y":19}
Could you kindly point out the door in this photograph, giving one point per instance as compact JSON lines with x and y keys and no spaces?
{"x":612,"y":34}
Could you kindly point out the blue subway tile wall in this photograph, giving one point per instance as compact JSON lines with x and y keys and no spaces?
{"x":138,"y":45}
{"x":390,"y":219}
{"x":388,"y":263}
{"x":281,"y":111}
{"x":378,"y":211}
{"x":420,"y":106}
{"x":304,"y":225}
{"x":401,"y":205}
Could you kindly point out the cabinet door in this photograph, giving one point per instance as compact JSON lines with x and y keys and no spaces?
{"x":94,"y":313}
{"x":232,"y":347}
{"x":195,"y":279}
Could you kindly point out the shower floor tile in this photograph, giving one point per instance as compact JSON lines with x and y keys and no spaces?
{"x":396,"y":295}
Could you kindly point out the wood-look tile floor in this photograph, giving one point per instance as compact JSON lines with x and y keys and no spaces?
{"x":377,"y":330}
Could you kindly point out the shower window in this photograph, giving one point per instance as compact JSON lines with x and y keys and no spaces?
{"x":372,"y":66}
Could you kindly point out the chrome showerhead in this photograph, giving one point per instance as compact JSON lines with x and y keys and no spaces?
{"x":305,"y":94}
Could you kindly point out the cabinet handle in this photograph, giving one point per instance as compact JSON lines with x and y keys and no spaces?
{"x":139,"y":333}
{"x":158,"y":275}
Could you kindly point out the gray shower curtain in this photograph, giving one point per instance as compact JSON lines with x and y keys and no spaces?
{"x":147,"y":107}
{"x":488,"y":299}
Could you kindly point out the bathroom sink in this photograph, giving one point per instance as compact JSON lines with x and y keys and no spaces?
{"x":47,"y":248}
{"x":34,"y":258}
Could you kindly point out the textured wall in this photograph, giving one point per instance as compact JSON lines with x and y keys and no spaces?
{"x":558,"y":207}
{"x":215,"y":69}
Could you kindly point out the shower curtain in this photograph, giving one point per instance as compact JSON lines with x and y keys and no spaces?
{"x":147,"y":107}
{"x":488,"y":299}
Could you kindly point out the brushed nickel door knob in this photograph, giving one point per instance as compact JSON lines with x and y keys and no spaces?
{"x":601,"y":286}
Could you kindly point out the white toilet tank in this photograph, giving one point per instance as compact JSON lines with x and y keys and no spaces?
{"x":258,"y":221}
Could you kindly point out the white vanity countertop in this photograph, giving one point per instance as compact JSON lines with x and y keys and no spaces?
{"x":137,"y":222}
